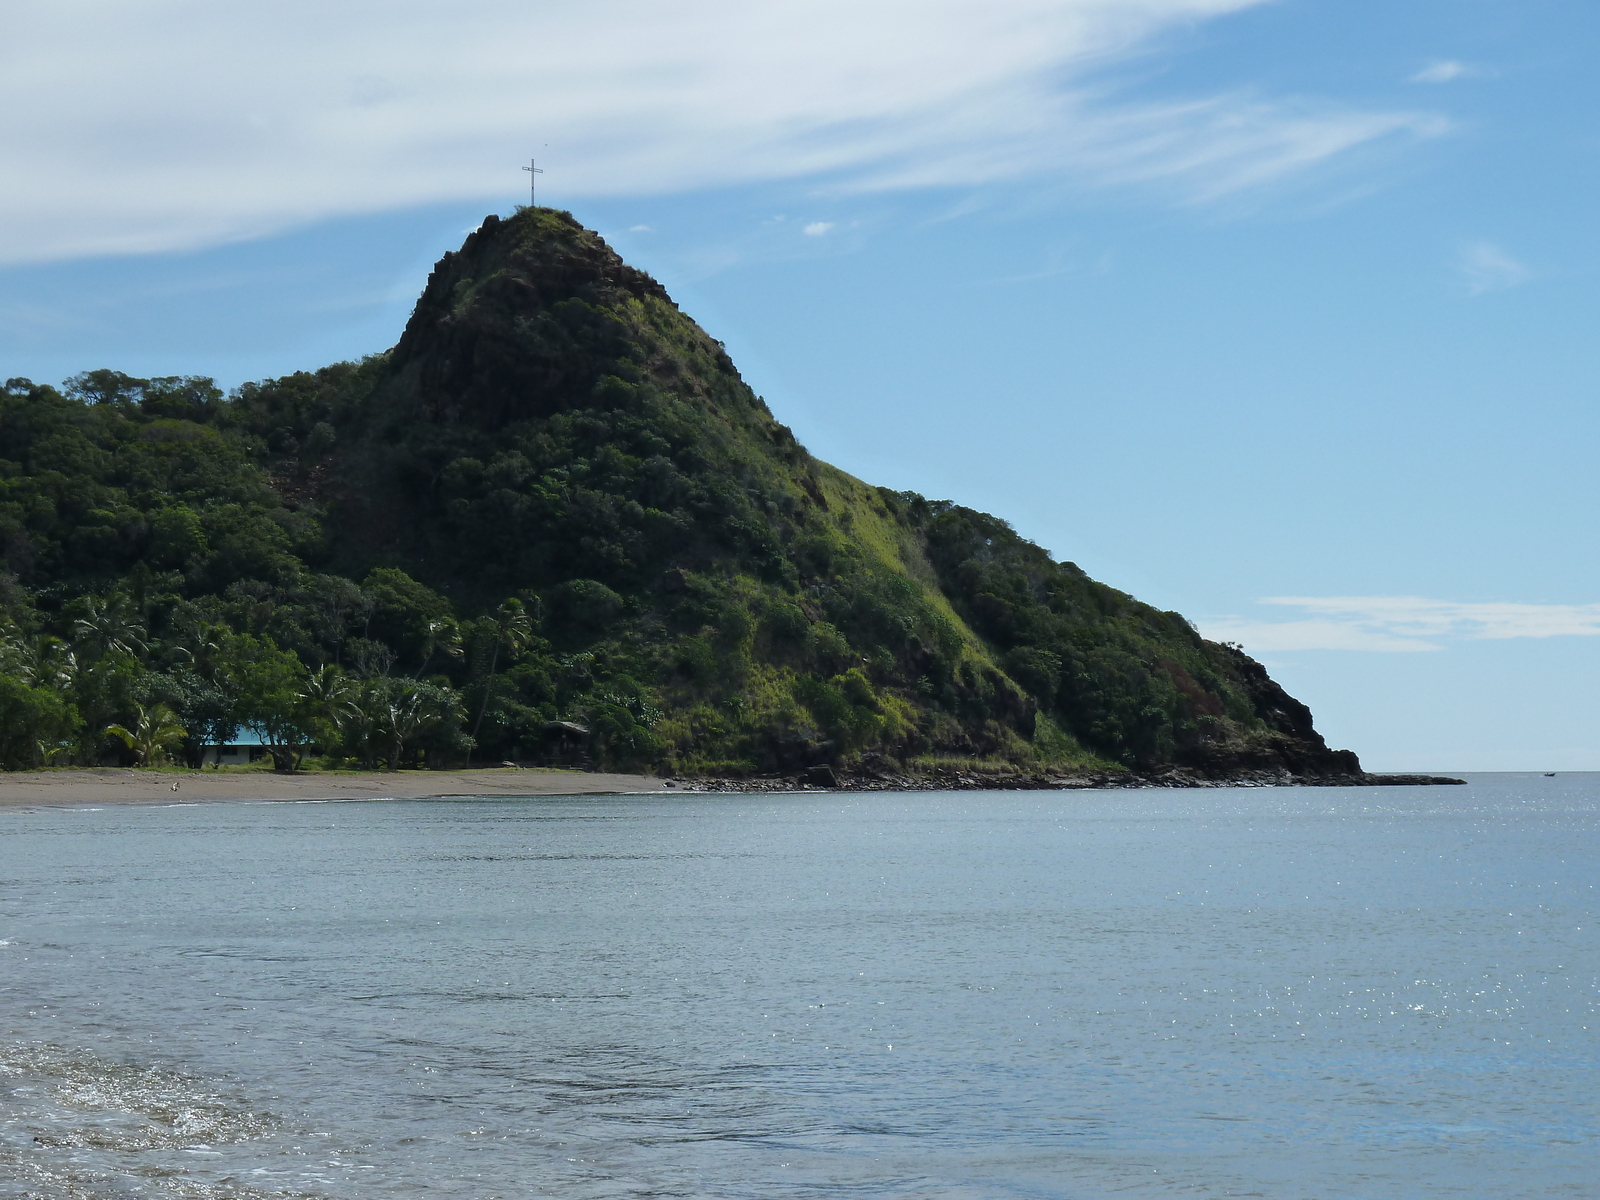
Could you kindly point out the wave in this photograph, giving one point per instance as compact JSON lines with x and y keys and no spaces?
{"x":79,"y":1126}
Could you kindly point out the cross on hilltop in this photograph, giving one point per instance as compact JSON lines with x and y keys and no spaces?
{"x":534,"y":171}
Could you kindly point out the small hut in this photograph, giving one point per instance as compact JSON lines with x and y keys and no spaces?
{"x":564,"y":744}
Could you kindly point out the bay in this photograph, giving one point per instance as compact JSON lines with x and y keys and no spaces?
{"x":1278,"y":992}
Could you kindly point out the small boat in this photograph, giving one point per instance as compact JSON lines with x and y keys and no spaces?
{"x":1549,"y":774}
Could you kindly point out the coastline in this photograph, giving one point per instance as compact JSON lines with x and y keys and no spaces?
{"x":955,"y":780}
{"x":94,"y":786}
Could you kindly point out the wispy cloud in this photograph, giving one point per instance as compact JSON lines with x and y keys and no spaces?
{"x":174,"y":124}
{"x":1391,"y":624}
{"x":1196,"y":151}
{"x":818,"y":228}
{"x":1448,"y":70}
{"x":1485,"y":267}
{"x":1439,"y":72}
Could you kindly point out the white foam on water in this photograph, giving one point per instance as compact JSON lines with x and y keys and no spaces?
{"x":78,"y":1126}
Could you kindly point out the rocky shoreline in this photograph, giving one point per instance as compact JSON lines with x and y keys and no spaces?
{"x":825,"y":779}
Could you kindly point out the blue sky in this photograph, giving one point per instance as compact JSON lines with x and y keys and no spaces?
{"x":1282,"y":315}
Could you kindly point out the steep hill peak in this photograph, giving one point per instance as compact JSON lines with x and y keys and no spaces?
{"x":530,"y":314}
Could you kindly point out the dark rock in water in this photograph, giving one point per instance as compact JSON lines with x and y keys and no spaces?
{"x":1408,"y":780}
{"x":988,"y":781}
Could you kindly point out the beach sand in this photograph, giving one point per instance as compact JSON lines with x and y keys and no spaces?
{"x":109,"y":785}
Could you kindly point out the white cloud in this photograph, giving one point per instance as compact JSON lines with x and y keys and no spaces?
{"x":1440,"y":72}
{"x":1199,"y":151}
{"x":818,"y":228}
{"x":1268,"y":637}
{"x":1448,"y":70}
{"x":639,"y":229}
{"x":1400,"y":623}
{"x":169,"y":124}
{"x":1487,"y":268}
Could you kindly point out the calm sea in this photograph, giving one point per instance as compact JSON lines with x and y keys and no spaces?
{"x":1285,"y":993}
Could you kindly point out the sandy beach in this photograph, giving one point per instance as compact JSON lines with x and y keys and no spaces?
{"x":108,"y":785}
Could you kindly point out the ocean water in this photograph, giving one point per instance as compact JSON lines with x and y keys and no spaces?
{"x":1284,"y":993}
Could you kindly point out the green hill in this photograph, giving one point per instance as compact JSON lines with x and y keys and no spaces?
{"x":555,"y":500}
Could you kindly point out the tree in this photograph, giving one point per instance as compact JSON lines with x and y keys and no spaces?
{"x":209,"y":709}
{"x":620,"y":724}
{"x":199,"y":642}
{"x":153,"y":735}
{"x":41,"y":661}
{"x":108,"y":625}
{"x":440,"y":633}
{"x":34,"y":721}
{"x":405,"y":615}
{"x":368,"y":707}
{"x":331,"y":699}
{"x":389,"y":714}
{"x":412,"y":708}
{"x":512,"y":631}
{"x":105,"y":690}
{"x":272,"y":701}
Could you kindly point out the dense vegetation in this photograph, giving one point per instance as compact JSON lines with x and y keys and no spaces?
{"x":554,"y":501}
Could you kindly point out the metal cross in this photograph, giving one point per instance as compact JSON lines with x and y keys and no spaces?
{"x":534,"y":172}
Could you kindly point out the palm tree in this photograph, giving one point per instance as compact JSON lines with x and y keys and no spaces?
{"x":413,"y":708}
{"x":13,"y":650}
{"x":368,"y":705}
{"x":200,"y":645}
{"x":156,"y":731}
{"x":55,"y":666}
{"x":43,"y":661}
{"x":513,"y":631}
{"x":110,"y":625}
{"x":442,"y":634}
{"x":331,"y":695}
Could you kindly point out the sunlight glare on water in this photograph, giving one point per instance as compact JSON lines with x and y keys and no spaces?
{"x":1285,"y":993}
